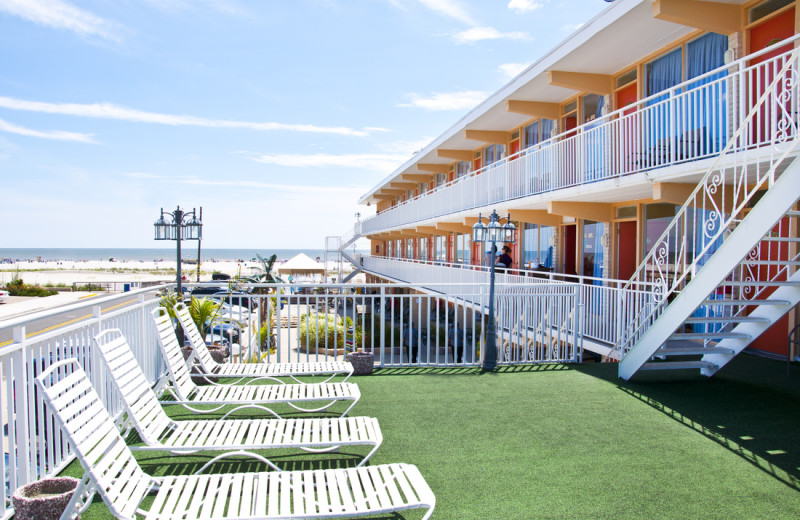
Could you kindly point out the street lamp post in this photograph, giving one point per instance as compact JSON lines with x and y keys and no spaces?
{"x":179,"y":225}
{"x":490,"y":234}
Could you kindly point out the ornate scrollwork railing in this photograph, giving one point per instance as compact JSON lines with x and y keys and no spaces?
{"x":728,"y":188}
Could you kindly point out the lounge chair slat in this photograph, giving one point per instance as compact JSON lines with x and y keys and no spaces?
{"x":253,"y":370}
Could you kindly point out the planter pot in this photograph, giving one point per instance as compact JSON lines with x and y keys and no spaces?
{"x":363,"y":362}
{"x":44,"y":499}
{"x":219,"y":354}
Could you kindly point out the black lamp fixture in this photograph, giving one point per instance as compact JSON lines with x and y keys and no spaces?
{"x":490,"y":234}
{"x":178,"y":225}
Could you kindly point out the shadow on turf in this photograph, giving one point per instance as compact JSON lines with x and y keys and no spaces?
{"x":166,"y":465}
{"x":465,"y":370}
{"x":750,"y":407}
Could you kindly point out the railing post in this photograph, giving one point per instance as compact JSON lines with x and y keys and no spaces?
{"x":20,"y":397}
{"x":383,"y":323}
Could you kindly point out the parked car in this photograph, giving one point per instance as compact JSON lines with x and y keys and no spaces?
{"x":208,"y":288}
{"x":237,"y":298}
{"x":3,"y":295}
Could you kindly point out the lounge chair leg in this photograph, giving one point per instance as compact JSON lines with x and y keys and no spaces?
{"x":237,"y":453}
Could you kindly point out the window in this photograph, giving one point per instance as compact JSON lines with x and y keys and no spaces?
{"x":628,"y":77}
{"x":532,"y":134}
{"x":441,"y":179}
{"x":423,"y":249}
{"x":463,"y":246}
{"x":765,"y":8}
{"x":440,"y":248}
{"x":537,"y":246}
{"x":493,"y":153}
{"x":389,"y":252}
{"x":593,"y":249}
{"x":463,"y":168}
{"x":410,"y":248}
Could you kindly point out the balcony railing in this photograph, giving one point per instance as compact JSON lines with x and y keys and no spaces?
{"x":398,"y":323}
{"x":688,"y":122}
{"x":605,"y":303}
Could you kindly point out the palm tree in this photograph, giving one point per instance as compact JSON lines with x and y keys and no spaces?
{"x":265,"y":275}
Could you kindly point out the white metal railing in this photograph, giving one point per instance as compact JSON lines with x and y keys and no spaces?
{"x":687,"y":122}
{"x":605,"y":302}
{"x":721,"y":199}
{"x":32,"y":443}
{"x":399,"y":323}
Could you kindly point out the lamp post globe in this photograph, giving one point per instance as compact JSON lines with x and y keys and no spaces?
{"x":490,"y":234}
{"x":178,"y":225}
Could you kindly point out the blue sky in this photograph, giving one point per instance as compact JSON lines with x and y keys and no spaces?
{"x":274,"y":116}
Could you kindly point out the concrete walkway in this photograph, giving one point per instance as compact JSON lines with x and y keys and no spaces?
{"x":16,"y":306}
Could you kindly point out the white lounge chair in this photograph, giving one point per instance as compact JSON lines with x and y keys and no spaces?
{"x":254,"y":370}
{"x":235,"y":437}
{"x":187,"y":393}
{"x":111,"y":470}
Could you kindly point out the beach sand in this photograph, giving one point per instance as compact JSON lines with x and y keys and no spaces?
{"x":69,"y":272}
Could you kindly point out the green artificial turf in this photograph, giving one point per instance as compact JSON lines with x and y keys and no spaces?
{"x":576,"y":442}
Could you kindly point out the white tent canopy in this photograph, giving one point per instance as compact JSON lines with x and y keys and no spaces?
{"x":301,"y":265}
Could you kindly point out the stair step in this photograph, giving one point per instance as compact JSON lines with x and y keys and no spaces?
{"x":757,"y":283}
{"x":691,"y":351}
{"x":780,"y":239}
{"x":771,"y":262}
{"x":709,"y":335}
{"x":727,"y":319}
{"x":677,"y":365}
{"x":746,"y":302}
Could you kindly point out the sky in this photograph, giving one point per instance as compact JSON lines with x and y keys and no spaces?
{"x":275,"y":116}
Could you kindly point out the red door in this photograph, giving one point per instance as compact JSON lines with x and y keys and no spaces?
{"x":569,"y":249}
{"x":629,"y":130}
{"x":626,"y":250}
{"x":764,"y":35}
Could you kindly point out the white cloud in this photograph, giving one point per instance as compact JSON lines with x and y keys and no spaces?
{"x":56,"y":135}
{"x":62,"y":15}
{"x":229,"y":7}
{"x":384,"y":163}
{"x":512,"y":70}
{"x":407,"y":147}
{"x":488,"y":33}
{"x":523,"y":6}
{"x":118,"y":112}
{"x":570,"y":28}
{"x":293,"y":188}
{"x":142,"y":175}
{"x":451,"y":9}
{"x":446,"y":101}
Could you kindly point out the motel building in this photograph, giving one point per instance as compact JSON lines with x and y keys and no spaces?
{"x":648,"y":164}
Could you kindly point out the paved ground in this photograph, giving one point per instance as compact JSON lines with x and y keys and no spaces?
{"x":19,"y":305}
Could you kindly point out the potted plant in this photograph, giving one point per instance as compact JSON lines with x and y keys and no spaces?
{"x":45,"y":499}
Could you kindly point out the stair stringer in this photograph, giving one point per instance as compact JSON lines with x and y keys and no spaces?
{"x":778,"y":199}
{"x":773,"y":313}
{"x":353,"y":261}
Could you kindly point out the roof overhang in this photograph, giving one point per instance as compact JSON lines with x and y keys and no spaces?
{"x":603,"y":46}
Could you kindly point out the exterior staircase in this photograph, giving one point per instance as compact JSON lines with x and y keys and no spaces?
{"x":726,"y":267}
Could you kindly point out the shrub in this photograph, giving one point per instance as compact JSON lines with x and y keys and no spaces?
{"x":88,"y":287}
{"x":17,"y":287}
{"x":326,"y":331}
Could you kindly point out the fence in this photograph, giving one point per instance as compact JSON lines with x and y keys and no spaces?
{"x":687,"y":122}
{"x":32,"y":444}
{"x":401,"y":324}
{"x":604,"y":301}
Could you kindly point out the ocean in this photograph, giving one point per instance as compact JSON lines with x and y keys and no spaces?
{"x":146,"y":254}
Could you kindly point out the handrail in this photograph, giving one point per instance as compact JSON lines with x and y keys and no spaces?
{"x":532,"y":273}
{"x":624,"y":121}
{"x":717,"y":219}
{"x":612,"y":115}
